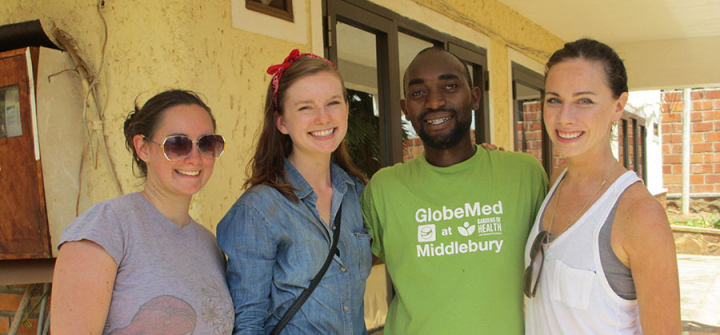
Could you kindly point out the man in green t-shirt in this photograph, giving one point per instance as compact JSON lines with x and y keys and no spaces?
{"x":451,"y":225}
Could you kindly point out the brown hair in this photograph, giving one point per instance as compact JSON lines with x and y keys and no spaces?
{"x":145,"y":120}
{"x":267,"y":167}
{"x":589,"y":49}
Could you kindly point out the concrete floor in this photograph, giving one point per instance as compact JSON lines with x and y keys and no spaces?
{"x":700,"y":293}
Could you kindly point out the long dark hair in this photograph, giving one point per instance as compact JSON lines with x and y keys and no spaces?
{"x":146,"y":119}
{"x":267,"y":167}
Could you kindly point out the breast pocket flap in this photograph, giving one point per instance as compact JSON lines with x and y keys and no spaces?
{"x":572,"y":286}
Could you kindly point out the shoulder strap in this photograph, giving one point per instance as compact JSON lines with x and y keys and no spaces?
{"x":315,"y":281}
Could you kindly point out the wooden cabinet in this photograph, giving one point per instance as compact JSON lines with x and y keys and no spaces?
{"x":41,"y":145}
{"x":23,"y":220}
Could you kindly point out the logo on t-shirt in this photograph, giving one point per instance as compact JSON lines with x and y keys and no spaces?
{"x":466,"y":229}
{"x":477,"y":222}
{"x":426,"y":233}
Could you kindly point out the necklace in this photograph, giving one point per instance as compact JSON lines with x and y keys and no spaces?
{"x":557,"y":199}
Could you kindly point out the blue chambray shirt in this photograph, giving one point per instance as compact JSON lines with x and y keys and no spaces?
{"x":275,"y":247}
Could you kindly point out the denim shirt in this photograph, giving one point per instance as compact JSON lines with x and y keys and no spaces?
{"x":276,"y":247}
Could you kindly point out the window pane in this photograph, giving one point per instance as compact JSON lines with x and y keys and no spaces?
{"x":357,"y":62}
{"x":409,"y":47}
{"x":10,"y":121}
{"x":279,"y":4}
{"x":528,"y":121}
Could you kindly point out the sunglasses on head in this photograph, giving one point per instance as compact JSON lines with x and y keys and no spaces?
{"x":531,"y":277}
{"x":179,"y":147}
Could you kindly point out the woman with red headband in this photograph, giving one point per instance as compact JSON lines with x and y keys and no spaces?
{"x":298,"y":254}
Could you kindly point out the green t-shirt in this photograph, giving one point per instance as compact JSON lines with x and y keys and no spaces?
{"x":453,"y":240}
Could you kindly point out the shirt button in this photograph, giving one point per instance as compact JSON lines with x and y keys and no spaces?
{"x":333,"y":228}
{"x":343,"y":269}
{"x":345,"y":308}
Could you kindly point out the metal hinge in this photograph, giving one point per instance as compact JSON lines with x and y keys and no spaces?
{"x":487,"y":80}
{"x":329,"y":32}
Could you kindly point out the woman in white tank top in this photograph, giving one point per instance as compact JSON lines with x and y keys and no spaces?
{"x":581,"y":278}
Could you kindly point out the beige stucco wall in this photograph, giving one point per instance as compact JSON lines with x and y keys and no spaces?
{"x":155,"y":45}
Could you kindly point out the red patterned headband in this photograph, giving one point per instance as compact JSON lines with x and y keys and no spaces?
{"x":277,"y":70}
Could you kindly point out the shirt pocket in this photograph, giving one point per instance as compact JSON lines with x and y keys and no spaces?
{"x":571,"y":286}
{"x":362,"y":241}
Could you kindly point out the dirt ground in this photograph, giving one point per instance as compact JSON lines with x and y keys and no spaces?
{"x":705,"y":216}
{"x":702,"y":213}
{"x":698,"y":219}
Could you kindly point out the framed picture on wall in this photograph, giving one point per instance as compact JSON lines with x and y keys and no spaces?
{"x":278,"y":8}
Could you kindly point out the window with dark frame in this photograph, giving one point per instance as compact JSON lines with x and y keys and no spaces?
{"x":281,"y":9}
{"x":528,"y":128}
{"x":631,"y":143}
{"x":392,"y":41}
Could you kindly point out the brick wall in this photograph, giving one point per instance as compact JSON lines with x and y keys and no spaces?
{"x":528,"y":132}
{"x":412,"y":148}
{"x":704,"y":139}
{"x":10,"y":297}
{"x":531,"y":127}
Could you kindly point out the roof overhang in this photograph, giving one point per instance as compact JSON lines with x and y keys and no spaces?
{"x":665,"y":43}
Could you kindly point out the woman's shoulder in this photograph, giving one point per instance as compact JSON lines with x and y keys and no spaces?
{"x":639,"y":213}
{"x":643,"y":236}
{"x":122,"y":204}
{"x":637,"y":200}
{"x":260,"y":197}
{"x":110,"y":208}
{"x":259,"y":191}
{"x":259,"y":206}
{"x":108,"y":224}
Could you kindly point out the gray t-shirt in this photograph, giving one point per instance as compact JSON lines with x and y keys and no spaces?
{"x":170,"y":280}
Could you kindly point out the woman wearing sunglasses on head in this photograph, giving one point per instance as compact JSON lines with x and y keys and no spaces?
{"x":299,"y":224}
{"x":601,"y":256}
{"x":138,"y":263}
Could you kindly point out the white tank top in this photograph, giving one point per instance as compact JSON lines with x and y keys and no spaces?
{"x":573,"y":296}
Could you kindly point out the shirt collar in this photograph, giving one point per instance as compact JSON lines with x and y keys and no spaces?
{"x":302,"y":189}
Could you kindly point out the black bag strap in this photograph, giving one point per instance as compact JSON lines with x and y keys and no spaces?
{"x":315,"y":281}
